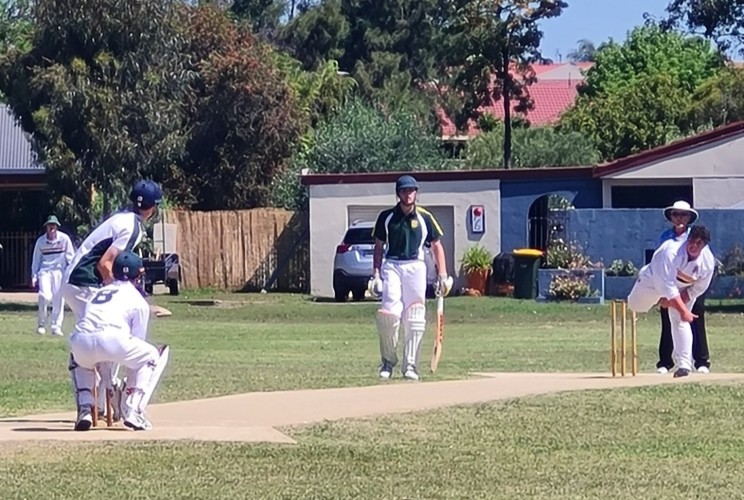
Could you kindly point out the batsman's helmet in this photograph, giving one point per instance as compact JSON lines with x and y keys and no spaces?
{"x":128,"y":266}
{"x":146,"y":194}
{"x":406,"y":182}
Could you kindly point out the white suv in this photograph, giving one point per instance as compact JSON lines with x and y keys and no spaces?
{"x":352,"y":265}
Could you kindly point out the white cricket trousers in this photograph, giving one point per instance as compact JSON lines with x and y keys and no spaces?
{"x":403,"y":284}
{"x":50,"y":293}
{"x":642,"y":298}
{"x":91,"y":349}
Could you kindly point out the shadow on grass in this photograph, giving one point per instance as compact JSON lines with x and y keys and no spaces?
{"x":724,"y":308}
{"x":17,"y":307}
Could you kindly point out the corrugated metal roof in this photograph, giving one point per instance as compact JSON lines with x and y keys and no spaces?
{"x":16,"y":155}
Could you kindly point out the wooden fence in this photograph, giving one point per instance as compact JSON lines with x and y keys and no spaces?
{"x":243,"y":249}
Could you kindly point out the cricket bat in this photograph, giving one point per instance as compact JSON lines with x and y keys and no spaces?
{"x":439,"y":339}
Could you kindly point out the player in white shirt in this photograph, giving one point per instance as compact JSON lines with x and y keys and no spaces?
{"x":92,"y":266}
{"x":112,"y":329}
{"x":679,"y":272}
{"x":53,"y":251}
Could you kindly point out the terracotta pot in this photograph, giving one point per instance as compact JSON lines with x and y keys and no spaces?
{"x":478,"y":280}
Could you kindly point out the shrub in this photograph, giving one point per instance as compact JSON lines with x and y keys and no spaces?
{"x":562,"y":255}
{"x":621,"y":268}
{"x":476,"y":258}
{"x":569,"y":286}
{"x":732,"y":263}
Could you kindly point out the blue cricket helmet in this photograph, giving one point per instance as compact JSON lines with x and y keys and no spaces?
{"x":128,"y":266}
{"x":406,"y":182}
{"x":146,"y":194}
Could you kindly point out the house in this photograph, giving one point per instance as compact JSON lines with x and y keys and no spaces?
{"x":611,"y":210}
{"x":554,"y":92}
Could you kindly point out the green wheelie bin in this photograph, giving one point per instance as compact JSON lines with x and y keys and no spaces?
{"x":526,"y":264}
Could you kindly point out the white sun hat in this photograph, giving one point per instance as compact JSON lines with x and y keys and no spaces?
{"x":680,"y":206}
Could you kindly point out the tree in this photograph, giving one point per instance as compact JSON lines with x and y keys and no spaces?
{"x":719,"y":100}
{"x":636,"y":95}
{"x":489,"y":47}
{"x":16,"y":25}
{"x":533,"y":147}
{"x":376,"y":41}
{"x":361,"y":138}
{"x":99,"y":90}
{"x":642,"y":115}
{"x":585,"y":51}
{"x":264,"y":16}
{"x":318,"y":35}
{"x":244,"y":118}
{"x":721,"y":21}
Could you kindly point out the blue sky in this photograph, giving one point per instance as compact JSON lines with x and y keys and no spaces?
{"x":595,"y":20}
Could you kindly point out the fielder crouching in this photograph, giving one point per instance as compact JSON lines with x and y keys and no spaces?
{"x":401,"y":280}
{"x":679,"y":273}
{"x":112,"y":329}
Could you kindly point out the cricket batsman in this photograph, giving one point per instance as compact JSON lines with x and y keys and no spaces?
{"x":401,"y":279}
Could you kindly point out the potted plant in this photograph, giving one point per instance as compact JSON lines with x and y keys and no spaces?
{"x":476,"y":263}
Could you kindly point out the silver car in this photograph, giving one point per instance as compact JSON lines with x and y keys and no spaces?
{"x":352,"y":265}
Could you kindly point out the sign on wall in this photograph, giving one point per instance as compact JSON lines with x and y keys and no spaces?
{"x":477,"y":219}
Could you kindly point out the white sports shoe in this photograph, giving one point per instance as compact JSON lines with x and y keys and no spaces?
{"x":41,"y":330}
{"x":84,"y":419}
{"x":137,"y":421}
{"x":411,"y":373}
{"x":386,"y":371}
{"x":703,"y":369}
{"x":662,"y":370}
{"x":57,"y":332}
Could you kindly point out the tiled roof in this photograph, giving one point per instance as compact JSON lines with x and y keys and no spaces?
{"x":16,"y":155}
{"x":552,"y":94}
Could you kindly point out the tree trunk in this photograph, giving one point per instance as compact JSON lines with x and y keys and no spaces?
{"x":505,"y":96}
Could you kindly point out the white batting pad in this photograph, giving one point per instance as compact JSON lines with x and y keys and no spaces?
{"x":414,"y":324}
{"x":145,"y":380}
{"x":387,"y":328}
{"x":83,"y":380}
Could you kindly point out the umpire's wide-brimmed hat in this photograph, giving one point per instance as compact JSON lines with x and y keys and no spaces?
{"x":680,"y":206}
{"x":52,"y":220}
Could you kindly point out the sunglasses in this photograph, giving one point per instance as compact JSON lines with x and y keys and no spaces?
{"x":680,"y":214}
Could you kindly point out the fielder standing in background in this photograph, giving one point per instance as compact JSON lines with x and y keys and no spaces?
{"x":681,"y":215}
{"x":679,"y":272}
{"x":53,"y":252}
{"x":401,"y":280}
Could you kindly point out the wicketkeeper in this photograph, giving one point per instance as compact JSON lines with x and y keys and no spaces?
{"x":401,"y":279}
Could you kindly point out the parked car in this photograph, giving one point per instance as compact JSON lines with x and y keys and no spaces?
{"x":352,"y":265}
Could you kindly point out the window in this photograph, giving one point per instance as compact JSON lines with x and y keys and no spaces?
{"x":649,"y":196}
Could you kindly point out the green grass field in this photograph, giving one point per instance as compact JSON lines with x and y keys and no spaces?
{"x":672,"y":441}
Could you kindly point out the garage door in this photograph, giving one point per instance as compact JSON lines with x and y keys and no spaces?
{"x":444,"y":215}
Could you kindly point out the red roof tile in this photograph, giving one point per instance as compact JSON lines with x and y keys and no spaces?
{"x":551,"y":97}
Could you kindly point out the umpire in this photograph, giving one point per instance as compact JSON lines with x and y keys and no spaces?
{"x":681,"y":215}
